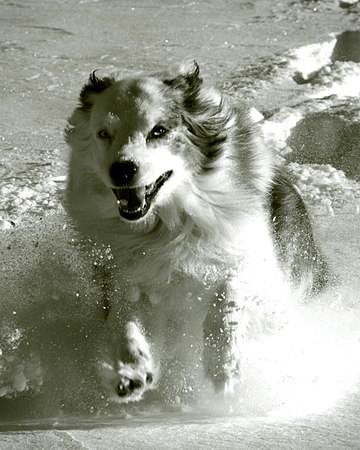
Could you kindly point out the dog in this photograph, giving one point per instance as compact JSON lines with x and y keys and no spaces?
{"x":209,"y":237}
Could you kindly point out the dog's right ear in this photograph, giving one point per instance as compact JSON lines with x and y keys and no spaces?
{"x":94,"y":86}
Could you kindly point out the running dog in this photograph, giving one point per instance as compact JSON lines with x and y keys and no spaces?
{"x":209,"y":238}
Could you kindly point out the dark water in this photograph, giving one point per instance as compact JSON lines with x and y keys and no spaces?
{"x":253,"y":50}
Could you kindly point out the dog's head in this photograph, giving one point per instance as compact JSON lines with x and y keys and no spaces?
{"x":149,"y":141}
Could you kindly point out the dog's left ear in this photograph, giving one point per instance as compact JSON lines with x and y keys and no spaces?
{"x":187,"y":79}
{"x":95,"y":85}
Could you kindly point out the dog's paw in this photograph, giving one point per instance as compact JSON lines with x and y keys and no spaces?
{"x":133,"y":372}
{"x":126,"y":382}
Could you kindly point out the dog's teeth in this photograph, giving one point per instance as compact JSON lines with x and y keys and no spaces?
{"x":135,"y":202}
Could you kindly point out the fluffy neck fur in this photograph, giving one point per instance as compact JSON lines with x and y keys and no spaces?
{"x":203,"y":237}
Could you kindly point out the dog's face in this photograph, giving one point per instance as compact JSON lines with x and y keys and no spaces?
{"x":149,"y":139}
{"x":135,"y":138}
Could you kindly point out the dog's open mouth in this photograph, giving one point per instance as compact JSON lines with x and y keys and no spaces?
{"x":135,"y":202}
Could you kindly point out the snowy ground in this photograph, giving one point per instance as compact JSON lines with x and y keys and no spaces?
{"x":302,"y":388}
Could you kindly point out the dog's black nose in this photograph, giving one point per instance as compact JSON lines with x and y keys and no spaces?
{"x":123,"y":172}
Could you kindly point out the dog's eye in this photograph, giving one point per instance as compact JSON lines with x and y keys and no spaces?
{"x":157,"y":132}
{"x":103,"y":134}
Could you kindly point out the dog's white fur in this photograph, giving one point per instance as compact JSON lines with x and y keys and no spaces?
{"x":204,"y":252}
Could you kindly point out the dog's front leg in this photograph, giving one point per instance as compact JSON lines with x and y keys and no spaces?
{"x":224,"y":331}
{"x":126,"y":364}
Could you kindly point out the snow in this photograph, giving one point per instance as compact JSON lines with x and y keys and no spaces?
{"x":301,"y":386}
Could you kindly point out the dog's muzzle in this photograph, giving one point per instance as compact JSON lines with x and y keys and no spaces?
{"x":135,"y":202}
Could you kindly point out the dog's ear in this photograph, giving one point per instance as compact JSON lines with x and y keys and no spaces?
{"x":94,"y":86}
{"x":187,"y":79}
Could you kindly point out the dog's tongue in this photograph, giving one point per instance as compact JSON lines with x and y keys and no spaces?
{"x":132,"y":198}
